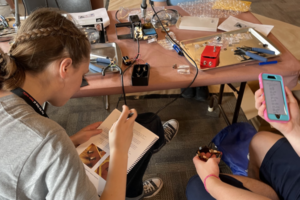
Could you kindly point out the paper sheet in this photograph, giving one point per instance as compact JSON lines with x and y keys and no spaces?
{"x":92,"y":17}
{"x":95,"y":153}
{"x":233,"y":23}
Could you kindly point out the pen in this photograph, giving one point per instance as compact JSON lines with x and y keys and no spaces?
{"x":129,"y":115}
{"x":175,"y":47}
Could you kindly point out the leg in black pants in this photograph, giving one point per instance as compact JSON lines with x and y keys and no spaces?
{"x":135,"y":176}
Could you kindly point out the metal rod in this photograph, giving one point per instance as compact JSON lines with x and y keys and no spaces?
{"x":211,"y":102}
{"x":224,"y":115}
{"x":106,"y":102}
{"x":239,"y":102}
{"x":232,"y":87}
{"x":17,"y":16}
{"x":215,"y":97}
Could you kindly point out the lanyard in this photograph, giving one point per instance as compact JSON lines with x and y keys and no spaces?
{"x":30,"y":101}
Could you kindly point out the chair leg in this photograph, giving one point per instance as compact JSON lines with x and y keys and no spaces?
{"x":106,"y":102}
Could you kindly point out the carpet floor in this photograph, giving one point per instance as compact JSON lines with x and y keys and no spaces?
{"x":174,"y":162}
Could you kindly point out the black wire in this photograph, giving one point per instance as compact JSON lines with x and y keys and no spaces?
{"x":197,"y":70}
{"x":123,"y":89}
{"x":57,"y":4}
{"x":184,"y":53}
{"x":117,"y":16}
{"x":47,"y":5}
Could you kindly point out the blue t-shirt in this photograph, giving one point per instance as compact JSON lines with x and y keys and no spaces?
{"x":173,"y":2}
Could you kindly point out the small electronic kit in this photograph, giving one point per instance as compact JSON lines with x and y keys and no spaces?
{"x":140,"y":75}
{"x":126,"y":60}
{"x":204,"y":153}
{"x":210,"y":57}
{"x":137,"y":30}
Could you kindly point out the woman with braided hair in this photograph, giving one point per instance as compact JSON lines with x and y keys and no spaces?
{"x":38,"y":160}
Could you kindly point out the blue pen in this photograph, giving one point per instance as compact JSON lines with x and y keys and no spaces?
{"x":268,"y":63}
{"x":175,"y":47}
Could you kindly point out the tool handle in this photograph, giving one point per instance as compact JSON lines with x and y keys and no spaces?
{"x":256,"y":57}
{"x":95,"y":68}
{"x":103,"y":60}
{"x":267,"y":51}
{"x":268,"y":63}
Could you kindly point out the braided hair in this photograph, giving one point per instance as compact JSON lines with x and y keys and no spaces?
{"x":46,"y":36}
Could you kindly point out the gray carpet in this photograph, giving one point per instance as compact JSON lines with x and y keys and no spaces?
{"x":174,"y":162}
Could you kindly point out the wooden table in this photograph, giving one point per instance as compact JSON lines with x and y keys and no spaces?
{"x":163,"y":76}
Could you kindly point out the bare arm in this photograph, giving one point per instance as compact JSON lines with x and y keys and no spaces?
{"x":220,"y":190}
{"x":120,"y":137}
{"x":115,"y":188}
{"x":291,"y":129}
{"x":217,"y":188}
{"x":160,"y":3}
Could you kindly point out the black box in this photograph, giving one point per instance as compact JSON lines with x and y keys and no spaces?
{"x":140,"y":75}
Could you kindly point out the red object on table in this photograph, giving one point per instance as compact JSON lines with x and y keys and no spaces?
{"x":210,"y":57}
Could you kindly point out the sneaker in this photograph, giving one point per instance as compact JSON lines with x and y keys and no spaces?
{"x":152,"y":186}
{"x":171,"y":129}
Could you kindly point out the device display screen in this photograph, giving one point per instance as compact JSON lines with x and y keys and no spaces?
{"x":274,"y":98}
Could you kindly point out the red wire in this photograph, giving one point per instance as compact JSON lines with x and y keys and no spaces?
{"x":138,"y":59}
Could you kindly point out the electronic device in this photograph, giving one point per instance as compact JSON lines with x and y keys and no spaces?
{"x":275,"y":98}
{"x":137,"y":30}
{"x":204,"y":153}
{"x":210,"y":57}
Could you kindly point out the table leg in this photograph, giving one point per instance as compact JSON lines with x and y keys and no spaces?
{"x":220,"y":97}
{"x":239,"y":102}
{"x":106,"y":102}
{"x":221,"y":94}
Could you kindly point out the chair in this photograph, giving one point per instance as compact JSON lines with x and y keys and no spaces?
{"x":66,"y":5}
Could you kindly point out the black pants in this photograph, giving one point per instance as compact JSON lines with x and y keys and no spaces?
{"x":135,"y":176}
{"x":195,"y":189}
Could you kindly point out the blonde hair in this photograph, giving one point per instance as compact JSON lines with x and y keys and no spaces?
{"x":44,"y":37}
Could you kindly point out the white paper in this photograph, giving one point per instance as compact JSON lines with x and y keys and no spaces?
{"x":96,"y":169}
{"x":233,"y":23}
{"x":199,"y":23}
{"x":92,"y":17}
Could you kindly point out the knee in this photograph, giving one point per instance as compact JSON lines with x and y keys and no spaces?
{"x":263,"y":138}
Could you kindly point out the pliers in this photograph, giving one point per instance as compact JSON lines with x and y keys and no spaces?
{"x":246,"y":51}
